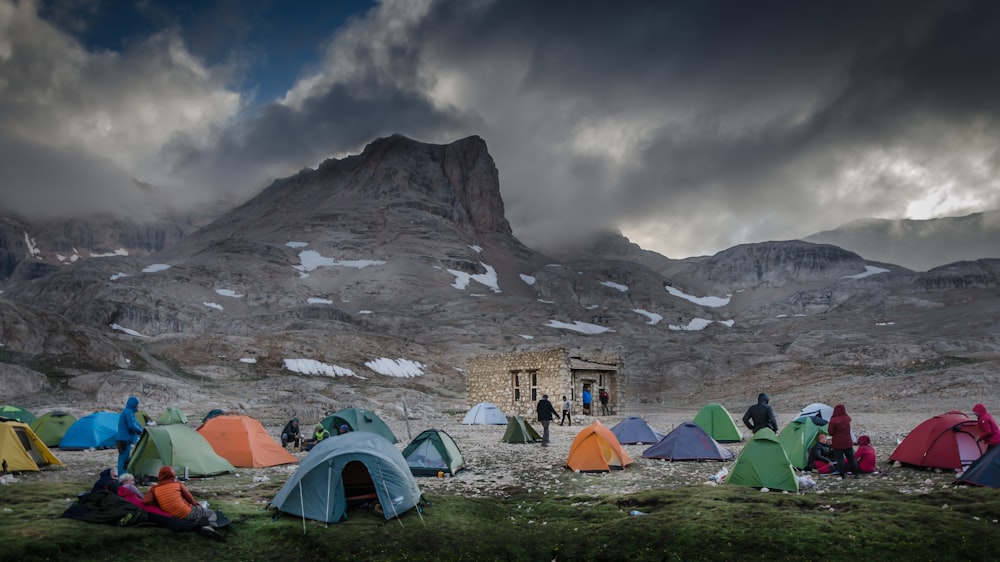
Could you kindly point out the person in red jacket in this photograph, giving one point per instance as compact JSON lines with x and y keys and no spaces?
{"x":989,"y":433}
{"x":842,"y":442}
{"x":865,"y":455}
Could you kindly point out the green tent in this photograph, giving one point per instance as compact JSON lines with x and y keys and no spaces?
{"x":211,"y":414}
{"x":358,"y":419}
{"x":51,"y":427}
{"x":718,"y":423}
{"x":763,"y":464}
{"x":16,"y":413}
{"x":178,"y":446}
{"x":433,"y":452}
{"x":798,"y":438}
{"x":172,"y":416}
{"x":518,"y":431}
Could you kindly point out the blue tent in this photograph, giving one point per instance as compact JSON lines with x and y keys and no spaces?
{"x":688,"y":442}
{"x":94,"y":431}
{"x":985,"y":471}
{"x":632,"y":430}
{"x":347,"y":470}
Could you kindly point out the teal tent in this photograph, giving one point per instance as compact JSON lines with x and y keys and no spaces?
{"x":718,"y":423}
{"x":358,"y":419}
{"x":433,"y":452}
{"x":178,"y":446}
{"x":348,"y":470}
{"x":763,"y":464}
{"x":16,"y":413}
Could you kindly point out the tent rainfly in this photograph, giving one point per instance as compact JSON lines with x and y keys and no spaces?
{"x":596,"y":449}
{"x":947,"y":441}
{"x":519,"y":431}
{"x":50,"y":427}
{"x":433,"y":451}
{"x":718,"y":423}
{"x":634,"y":430}
{"x":178,"y":446}
{"x":244,"y":442}
{"x":21,"y":449}
{"x":763,"y":464}
{"x":358,"y":419}
{"x":484,"y":413}
{"x":688,"y":442}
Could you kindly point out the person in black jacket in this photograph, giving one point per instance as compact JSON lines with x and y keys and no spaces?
{"x":291,"y":434}
{"x":546,"y":411}
{"x":760,"y":415}
{"x":821,"y":452}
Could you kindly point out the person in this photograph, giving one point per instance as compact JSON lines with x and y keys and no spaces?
{"x":842,"y":442}
{"x":587,"y":398}
{"x":175,"y":498}
{"x":567,"y":407}
{"x":344,"y":428}
{"x":604,"y":397}
{"x":820,"y":455}
{"x":760,"y":415}
{"x":865,"y":455}
{"x":291,"y":434}
{"x":129,"y":430}
{"x":319,"y":433}
{"x":545,"y":411}
{"x":105,"y":480}
{"x":128,"y":481}
{"x":989,"y":433}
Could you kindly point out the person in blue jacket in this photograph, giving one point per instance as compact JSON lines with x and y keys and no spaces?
{"x":587,"y":399}
{"x":129,"y":430}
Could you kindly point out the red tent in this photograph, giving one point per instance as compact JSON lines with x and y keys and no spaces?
{"x":946,"y":441}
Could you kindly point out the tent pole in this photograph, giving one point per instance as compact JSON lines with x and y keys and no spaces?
{"x":381,"y":477}
{"x":302,"y":507}
{"x":329,"y":478}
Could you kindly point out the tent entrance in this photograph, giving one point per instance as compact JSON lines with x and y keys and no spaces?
{"x":359,"y":488}
{"x":29,"y":447}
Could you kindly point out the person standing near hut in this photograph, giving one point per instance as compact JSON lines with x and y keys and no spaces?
{"x":587,"y":399}
{"x":604,"y":397}
{"x":567,"y":409}
{"x":546,"y":411}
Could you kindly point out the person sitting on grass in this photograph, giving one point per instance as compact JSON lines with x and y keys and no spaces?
{"x":128,"y":481}
{"x":108,"y":477}
{"x":319,"y":433}
{"x":174,"y":498}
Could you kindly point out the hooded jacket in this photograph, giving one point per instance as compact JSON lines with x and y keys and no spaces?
{"x":865,"y":455}
{"x":129,"y":428}
{"x":106,"y":481}
{"x":760,"y":415}
{"x":989,"y":433}
{"x":840,"y":428}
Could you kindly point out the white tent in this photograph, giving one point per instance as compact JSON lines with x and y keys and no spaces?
{"x":484,"y":413}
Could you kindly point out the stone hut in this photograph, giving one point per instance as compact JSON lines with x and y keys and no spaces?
{"x":514,"y":382}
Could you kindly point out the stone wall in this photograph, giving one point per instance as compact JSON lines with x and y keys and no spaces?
{"x":491,"y":378}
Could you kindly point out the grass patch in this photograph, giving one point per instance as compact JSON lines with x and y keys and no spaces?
{"x":684,"y":523}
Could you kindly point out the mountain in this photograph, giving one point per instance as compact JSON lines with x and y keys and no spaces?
{"x":388,"y":270}
{"x":919,"y":244}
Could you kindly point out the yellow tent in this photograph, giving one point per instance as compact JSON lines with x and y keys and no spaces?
{"x":21,"y":449}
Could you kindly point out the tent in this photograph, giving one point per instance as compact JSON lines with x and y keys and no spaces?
{"x":244,"y":442}
{"x":798,"y":438}
{"x":718,"y":423}
{"x":93,"y":431}
{"x":688,"y":442}
{"x":519,"y":431}
{"x":172,"y":416}
{"x":432,"y":452}
{"x":211,"y":414}
{"x":51,"y":427}
{"x":985,"y":471}
{"x":633,"y":430}
{"x":358,"y":420}
{"x":763,"y":464}
{"x":16,"y":413}
{"x":946,"y":441}
{"x":596,"y":449}
{"x":817,"y":409}
{"x":347,"y":470}
{"x":178,"y":446}
{"x":484,"y":413}
{"x":21,"y":449}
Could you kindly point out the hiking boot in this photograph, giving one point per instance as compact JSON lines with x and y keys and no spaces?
{"x":212,"y":533}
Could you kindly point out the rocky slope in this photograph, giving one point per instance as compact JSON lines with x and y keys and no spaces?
{"x":385,"y":271}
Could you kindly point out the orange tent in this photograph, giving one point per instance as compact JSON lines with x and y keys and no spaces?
{"x":244,"y":442}
{"x":596,"y":449}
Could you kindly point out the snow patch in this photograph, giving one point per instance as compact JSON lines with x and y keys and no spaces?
{"x":578,"y":326}
{"x":311,"y":259}
{"x":403,"y":368}
{"x":128,"y":331}
{"x":489,"y":278}
{"x":155,"y":267}
{"x":614,"y":285}
{"x":528,"y":279}
{"x":654,"y":318}
{"x":711,"y":302}
{"x":868,"y":272}
{"x":317,"y":300}
{"x":228,"y":293}
{"x":313,"y":367}
{"x":213,"y":305}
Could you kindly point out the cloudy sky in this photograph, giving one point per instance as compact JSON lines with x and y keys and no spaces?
{"x":691,"y":126}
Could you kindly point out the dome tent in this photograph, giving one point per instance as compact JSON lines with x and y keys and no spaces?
{"x":596,"y":449}
{"x":433,"y":451}
{"x":349,"y":469}
{"x":718,"y":423}
{"x":50,"y":427}
{"x":244,"y":442}
{"x":484,"y":413}
{"x":358,"y":419}
{"x":688,"y":442}
{"x":93,"y":431}
{"x":634,"y":430}
{"x":177,"y":446}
